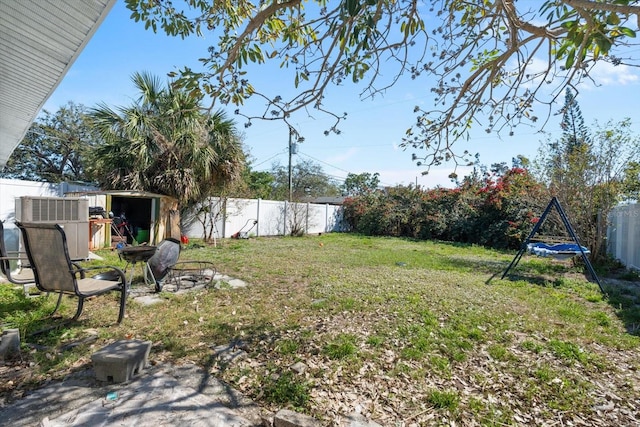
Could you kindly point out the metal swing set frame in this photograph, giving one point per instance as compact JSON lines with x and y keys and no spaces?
{"x":563,"y":216}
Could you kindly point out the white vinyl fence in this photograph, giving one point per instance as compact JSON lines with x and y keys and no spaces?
{"x":623,"y":234}
{"x":257,"y":217}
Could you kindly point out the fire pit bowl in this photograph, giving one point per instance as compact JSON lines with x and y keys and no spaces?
{"x":135,"y":254}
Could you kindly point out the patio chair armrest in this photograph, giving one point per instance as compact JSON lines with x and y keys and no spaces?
{"x":77,"y":269}
{"x":17,"y":254}
{"x":105,"y":268}
{"x":10,"y":257}
{"x":10,"y":276}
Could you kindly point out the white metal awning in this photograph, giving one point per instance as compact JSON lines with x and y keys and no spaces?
{"x":39,"y":41}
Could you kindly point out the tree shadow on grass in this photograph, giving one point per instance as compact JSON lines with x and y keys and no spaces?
{"x":496,"y":267}
{"x":258,"y":337}
{"x":12,"y":300}
{"x":623,"y":296}
{"x":33,"y":317}
{"x":198,"y":388}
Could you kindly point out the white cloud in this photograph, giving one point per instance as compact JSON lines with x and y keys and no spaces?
{"x":607,"y":74}
{"x":603,"y":73}
{"x":535,"y":67}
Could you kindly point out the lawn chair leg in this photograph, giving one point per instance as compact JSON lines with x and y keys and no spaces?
{"x":57,"y":304}
{"x":123,"y":301}
{"x":79,"y":310}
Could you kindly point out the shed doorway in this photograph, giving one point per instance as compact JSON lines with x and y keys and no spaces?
{"x":134,"y":213}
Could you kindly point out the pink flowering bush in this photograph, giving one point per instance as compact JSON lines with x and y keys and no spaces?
{"x":497,"y":211}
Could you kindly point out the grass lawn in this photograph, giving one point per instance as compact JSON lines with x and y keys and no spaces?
{"x":405,"y":332}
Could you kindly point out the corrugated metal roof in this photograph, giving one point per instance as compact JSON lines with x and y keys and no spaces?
{"x":39,"y":41}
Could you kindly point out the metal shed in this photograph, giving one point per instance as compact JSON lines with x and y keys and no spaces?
{"x":151,"y":217}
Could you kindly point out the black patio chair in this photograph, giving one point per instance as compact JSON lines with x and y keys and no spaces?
{"x":166,"y":268}
{"x":46,"y":246}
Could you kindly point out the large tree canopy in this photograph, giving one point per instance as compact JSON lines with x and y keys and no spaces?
{"x":490,"y":62}
{"x":55,"y":149}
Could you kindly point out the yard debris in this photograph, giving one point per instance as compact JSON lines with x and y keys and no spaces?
{"x":385,"y":398}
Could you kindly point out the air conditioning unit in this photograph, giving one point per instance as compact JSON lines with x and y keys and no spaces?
{"x":71,"y":213}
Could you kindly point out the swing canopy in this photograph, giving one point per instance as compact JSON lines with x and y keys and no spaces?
{"x":559,"y":251}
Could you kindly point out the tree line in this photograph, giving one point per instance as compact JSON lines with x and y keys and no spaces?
{"x":590,"y":170}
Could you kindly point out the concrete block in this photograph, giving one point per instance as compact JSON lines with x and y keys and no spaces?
{"x":288,"y":418}
{"x":9,"y":343}
{"x":121,"y":361}
{"x":267,"y":419}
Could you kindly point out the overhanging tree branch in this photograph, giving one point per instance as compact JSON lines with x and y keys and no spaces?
{"x":483,"y":56}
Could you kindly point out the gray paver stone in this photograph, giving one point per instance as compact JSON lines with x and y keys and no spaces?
{"x":121,"y":360}
{"x":358,"y":420}
{"x":9,"y":343}
{"x":149,"y":300}
{"x":267,"y":419}
{"x":299,"y":368}
{"x":237,"y":283}
{"x":229,"y":353}
{"x":288,"y":418}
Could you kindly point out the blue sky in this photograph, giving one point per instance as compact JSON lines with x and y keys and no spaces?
{"x":369,"y":137}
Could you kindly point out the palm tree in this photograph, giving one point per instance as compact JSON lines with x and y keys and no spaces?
{"x":166,"y":143}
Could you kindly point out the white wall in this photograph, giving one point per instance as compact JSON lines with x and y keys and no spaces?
{"x":11,"y":189}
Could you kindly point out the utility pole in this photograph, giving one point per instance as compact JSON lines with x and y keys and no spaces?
{"x":293,"y":149}
{"x":290,"y":167}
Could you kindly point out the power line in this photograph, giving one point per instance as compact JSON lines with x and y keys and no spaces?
{"x":342,"y":147}
{"x":272,"y":157}
{"x":335,"y":167}
{"x":318,"y":160}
